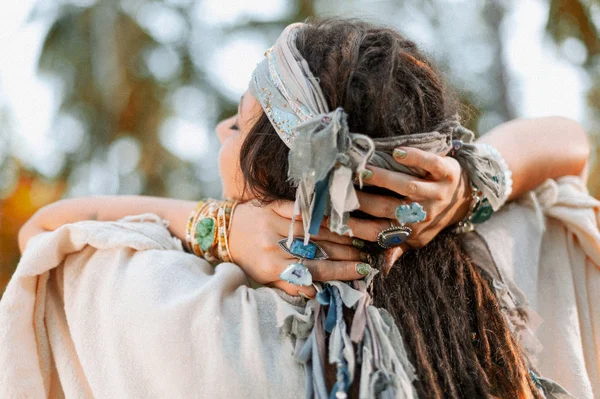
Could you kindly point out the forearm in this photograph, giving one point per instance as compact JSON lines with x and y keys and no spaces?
{"x":540,"y":149}
{"x":107,"y":208}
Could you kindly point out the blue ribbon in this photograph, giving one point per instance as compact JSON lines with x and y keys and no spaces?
{"x":321,"y":193}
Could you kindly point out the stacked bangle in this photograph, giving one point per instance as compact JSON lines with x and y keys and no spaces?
{"x":207,"y":231}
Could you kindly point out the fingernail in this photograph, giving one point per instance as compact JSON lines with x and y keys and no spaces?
{"x":399,"y":154}
{"x":358,"y":243}
{"x":303,"y":295}
{"x":363,"y":268}
{"x":366,"y":174}
{"x":363,"y":256}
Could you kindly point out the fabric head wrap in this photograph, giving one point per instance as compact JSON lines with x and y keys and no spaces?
{"x":324,"y":155}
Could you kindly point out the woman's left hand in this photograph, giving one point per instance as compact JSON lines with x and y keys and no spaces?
{"x":444,"y":193}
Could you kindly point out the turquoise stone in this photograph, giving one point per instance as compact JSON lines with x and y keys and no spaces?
{"x":307,"y":251}
{"x":205,"y":233}
{"x":412,"y":213}
{"x":296,"y":273}
{"x":482,"y":213}
{"x":297,"y":248}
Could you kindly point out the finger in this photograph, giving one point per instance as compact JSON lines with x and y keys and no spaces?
{"x":282,"y":227}
{"x":293,"y":289}
{"x":340,"y":252}
{"x":368,"y":229}
{"x":380,"y":206}
{"x":428,"y":161}
{"x":403,"y":184}
{"x":391,"y":255}
{"x":326,"y":270}
{"x":285,"y":209}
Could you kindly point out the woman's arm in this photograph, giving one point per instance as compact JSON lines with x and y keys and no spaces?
{"x":534,"y":149}
{"x":252,"y":241}
{"x":106,"y":208}
{"x":540,"y":149}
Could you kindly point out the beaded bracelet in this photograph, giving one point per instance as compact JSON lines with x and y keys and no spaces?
{"x":479,"y":212}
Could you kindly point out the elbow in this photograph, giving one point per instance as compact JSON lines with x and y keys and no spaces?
{"x":576,"y":144}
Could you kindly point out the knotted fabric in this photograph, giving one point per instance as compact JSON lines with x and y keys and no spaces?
{"x":325,"y":156}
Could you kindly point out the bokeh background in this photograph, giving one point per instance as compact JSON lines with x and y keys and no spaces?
{"x":122,"y":96}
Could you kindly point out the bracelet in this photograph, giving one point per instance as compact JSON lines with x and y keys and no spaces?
{"x":491,"y":181}
{"x":208,"y":228}
{"x":486,"y":169}
{"x":188,"y":230}
{"x":465,"y":225}
{"x":481,"y":211}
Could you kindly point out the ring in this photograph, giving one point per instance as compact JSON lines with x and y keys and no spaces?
{"x":296,"y":273}
{"x":413,"y":213}
{"x":311,"y":251}
{"x":393,"y":236}
{"x":303,"y":295}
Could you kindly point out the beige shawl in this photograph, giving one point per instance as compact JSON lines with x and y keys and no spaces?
{"x":117,"y":309}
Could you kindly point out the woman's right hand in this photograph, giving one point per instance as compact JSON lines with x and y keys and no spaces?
{"x":253,"y":245}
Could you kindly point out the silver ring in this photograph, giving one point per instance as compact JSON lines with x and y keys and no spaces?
{"x":312,"y":250}
{"x":393,"y":236}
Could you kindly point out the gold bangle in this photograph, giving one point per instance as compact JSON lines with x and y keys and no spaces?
{"x":206,"y":210}
{"x":190,"y":223}
{"x":221,"y":214}
{"x":224,"y":228}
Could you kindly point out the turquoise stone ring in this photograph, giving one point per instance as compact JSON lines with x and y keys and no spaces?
{"x":413,"y":213}
{"x":296,"y":273}
{"x":310,"y":251}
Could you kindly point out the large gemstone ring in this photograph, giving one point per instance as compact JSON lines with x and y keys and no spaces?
{"x":297,"y":273}
{"x":393,"y":236}
{"x":312,"y":250}
{"x":413,"y":213}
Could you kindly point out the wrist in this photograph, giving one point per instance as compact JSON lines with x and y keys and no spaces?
{"x":464,"y":198}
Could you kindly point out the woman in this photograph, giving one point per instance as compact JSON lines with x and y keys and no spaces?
{"x":457,"y":339}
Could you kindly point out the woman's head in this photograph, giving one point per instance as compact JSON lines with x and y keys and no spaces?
{"x":383,"y":82}
{"x":445,"y":308}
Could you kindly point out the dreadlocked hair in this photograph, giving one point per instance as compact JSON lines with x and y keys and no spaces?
{"x":445,"y":307}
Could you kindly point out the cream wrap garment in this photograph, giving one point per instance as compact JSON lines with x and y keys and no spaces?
{"x":118,"y":310}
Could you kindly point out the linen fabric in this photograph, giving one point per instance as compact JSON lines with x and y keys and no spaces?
{"x":117,"y":309}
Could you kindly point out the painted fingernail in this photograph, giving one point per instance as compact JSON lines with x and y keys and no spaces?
{"x":366,"y":174}
{"x":303,"y":295}
{"x":363,"y":268}
{"x":363,"y":256}
{"x":399,"y":154}
{"x":358,"y":243}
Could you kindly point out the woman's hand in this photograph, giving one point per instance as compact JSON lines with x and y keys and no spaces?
{"x":52,"y":216}
{"x":444,"y":193}
{"x":253,"y":245}
{"x":27,"y":231}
